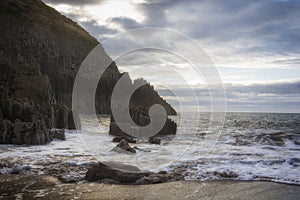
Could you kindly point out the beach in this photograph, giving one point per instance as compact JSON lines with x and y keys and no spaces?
{"x":45,"y":187}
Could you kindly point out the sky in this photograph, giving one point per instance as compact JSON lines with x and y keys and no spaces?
{"x":254,"y":45}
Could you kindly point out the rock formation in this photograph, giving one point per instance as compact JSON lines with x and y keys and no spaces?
{"x":141,"y":117}
{"x":115,"y":171}
{"x":40,"y":54}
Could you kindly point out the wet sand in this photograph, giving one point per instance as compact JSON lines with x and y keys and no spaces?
{"x":45,"y":187}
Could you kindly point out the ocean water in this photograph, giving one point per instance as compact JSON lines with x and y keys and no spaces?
{"x":244,"y":146}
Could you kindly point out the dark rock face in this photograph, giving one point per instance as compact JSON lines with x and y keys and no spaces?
{"x":114,"y":171}
{"x":56,"y":46}
{"x":26,"y":110}
{"x":30,"y":133}
{"x":40,"y":54}
{"x":145,"y":96}
{"x":140,"y":116}
{"x":61,"y":117}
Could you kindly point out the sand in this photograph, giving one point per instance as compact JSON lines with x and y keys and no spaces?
{"x":44,"y":187}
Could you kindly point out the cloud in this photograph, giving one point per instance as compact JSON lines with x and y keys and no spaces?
{"x":263,"y":97}
{"x":248,"y":41}
{"x":242,"y":28}
{"x":125,"y":22}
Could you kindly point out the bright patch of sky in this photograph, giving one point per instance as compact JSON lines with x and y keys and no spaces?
{"x":254,"y":44}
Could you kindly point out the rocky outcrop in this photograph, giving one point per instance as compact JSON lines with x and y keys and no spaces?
{"x":39,"y":36}
{"x":18,"y":132}
{"x":26,"y":103}
{"x":140,"y":117}
{"x":114,"y":171}
{"x":40,"y":54}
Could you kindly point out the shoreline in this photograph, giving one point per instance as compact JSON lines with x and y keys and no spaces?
{"x":47,"y":187}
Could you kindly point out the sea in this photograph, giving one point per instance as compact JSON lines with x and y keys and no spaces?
{"x":207,"y":146}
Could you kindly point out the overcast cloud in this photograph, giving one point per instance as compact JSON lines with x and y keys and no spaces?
{"x":250,"y":42}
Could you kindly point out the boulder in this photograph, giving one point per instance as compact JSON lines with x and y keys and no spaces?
{"x":123,"y":146}
{"x":58,"y":134}
{"x":154,"y":140}
{"x":114,"y":171}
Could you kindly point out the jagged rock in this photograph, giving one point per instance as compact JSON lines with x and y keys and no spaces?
{"x":43,"y":42}
{"x":124,"y":146}
{"x":114,"y":171}
{"x":41,"y":53}
{"x":145,"y":96}
{"x":58,"y":134}
{"x":140,"y":116}
{"x":128,"y":139}
{"x":154,"y":140}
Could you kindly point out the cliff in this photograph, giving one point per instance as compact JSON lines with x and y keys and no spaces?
{"x":40,"y":54}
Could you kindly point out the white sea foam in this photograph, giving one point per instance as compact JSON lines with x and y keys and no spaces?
{"x":252,"y":147}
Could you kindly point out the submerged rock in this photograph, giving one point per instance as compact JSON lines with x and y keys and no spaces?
{"x":297,"y":142}
{"x":294,"y":161}
{"x":124,"y":146}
